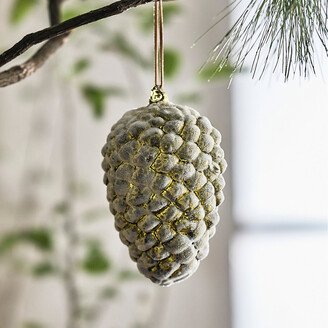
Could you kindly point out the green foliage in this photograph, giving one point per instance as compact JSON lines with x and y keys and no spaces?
{"x":20,"y":9}
{"x":139,"y":325}
{"x":96,"y":261}
{"x":172,"y":62}
{"x":211,"y":72}
{"x":76,"y":9}
{"x":96,"y":97}
{"x":145,"y":15}
{"x":40,"y":238}
{"x":7,"y":242}
{"x":33,"y":324}
{"x":109,"y":292}
{"x":193,"y":97}
{"x":44,"y":268}
{"x":70,"y":13}
{"x":61,"y":208}
{"x":120,"y":44}
{"x":81,"y":65}
{"x":127,"y":275}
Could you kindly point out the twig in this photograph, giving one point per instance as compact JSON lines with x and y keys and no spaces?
{"x":70,"y":231}
{"x":56,"y":35}
{"x":20,"y":72}
{"x":54,"y":11}
{"x":70,"y":220}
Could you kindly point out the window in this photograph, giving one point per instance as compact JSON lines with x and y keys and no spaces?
{"x":279,"y":251}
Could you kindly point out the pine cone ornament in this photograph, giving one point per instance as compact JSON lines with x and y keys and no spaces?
{"x":163,"y":170}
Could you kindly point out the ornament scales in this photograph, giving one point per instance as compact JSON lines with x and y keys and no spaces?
{"x":163,"y":169}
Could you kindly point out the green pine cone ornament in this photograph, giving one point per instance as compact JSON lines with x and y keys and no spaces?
{"x":163,"y":170}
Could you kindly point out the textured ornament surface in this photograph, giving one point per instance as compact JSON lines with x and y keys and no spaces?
{"x":163,"y":169}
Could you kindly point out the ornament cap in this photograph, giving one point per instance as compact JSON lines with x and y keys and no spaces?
{"x":158,"y":95}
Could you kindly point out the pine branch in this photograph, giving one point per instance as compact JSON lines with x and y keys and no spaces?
{"x":57,"y":35}
{"x":275,"y":34}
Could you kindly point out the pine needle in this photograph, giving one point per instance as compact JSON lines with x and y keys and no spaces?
{"x":280,"y":34}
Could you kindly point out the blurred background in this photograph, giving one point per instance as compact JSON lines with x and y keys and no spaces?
{"x":61,"y":261}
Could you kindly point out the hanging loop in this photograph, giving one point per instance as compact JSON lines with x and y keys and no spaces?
{"x":157,"y":93}
{"x":159,"y":43}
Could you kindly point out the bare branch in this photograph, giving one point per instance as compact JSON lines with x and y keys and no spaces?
{"x":48,"y":33}
{"x":54,"y":11}
{"x":20,"y":72}
{"x":56,"y":34}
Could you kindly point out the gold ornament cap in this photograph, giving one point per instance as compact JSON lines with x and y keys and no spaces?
{"x":157,"y":95}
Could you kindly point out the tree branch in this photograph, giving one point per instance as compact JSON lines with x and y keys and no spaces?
{"x":20,"y":72}
{"x":57,"y":35}
{"x":54,"y":11}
